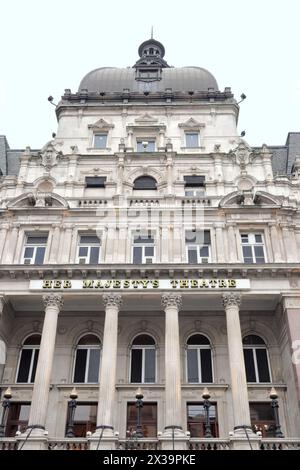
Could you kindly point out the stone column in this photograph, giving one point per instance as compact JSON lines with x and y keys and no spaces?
{"x":275,"y":243}
{"x":220,"y":243}
{"x":165,"y":243}
{"x":53,"y":257}
{"x":107,"y":373}
{"x":11,"y":243}
{"x":67,"y":244}
{"x":172,"y":304}
{"x":38,"y":410}
{"x":241,"y":412}
{"x":232,"y":244}
{"x":3,"y":232}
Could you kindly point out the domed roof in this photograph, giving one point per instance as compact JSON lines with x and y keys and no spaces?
{"x":150,"y":73}
{"x":109,"y":79}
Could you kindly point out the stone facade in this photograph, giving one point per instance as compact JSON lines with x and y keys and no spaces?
{"x":75,"y":188}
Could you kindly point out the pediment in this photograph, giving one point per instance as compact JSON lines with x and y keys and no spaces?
{"x":101,"y":124}
{"x":146,"y":119}
{"x":191,"y":124}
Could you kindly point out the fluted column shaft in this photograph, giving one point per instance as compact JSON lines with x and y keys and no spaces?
{"x":39,"y":403}
{"x":108,"y":366}
{"x":239,"y":389}
{"x":53,"y":258}
{"x":172,"y":304}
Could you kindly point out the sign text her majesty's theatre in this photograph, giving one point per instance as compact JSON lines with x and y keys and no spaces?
{"x":131,"y":284}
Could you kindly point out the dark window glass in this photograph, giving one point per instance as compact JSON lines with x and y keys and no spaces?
{"x":94,"y":256}
{"x":196,"y":419}
{"x":136,"y":365}
{"x":145,"y":182}
{"x":143,"y":239}
{"x":262,"y":365}
{"x":94,"y":362}
{"x":95,"y":181}
{"x":34,"y":366}
{"x":83,"y":251}
{"x":247,"y":253}
{"x":85,"y":419}
{"x":204,"y":252}
{"x":148,"y":419}
{"x":32,"y":240}
{"x":249,"y":365}
{"x":262,"y":419}
{"x":143,"y":340}
{"x":34,"y":340}
{"x":259,"y":254}
{"x":206,"y":365}
{"x":194,"y":181}
{"x":192,"y":256}
{"x":253,"y":340}
{"x":100,"y":141}
{"x":149,"y":365}
{"x":142,"y":147}
{"x":192,"y":139}
{"x":89,"y":239}
{"x":80,"y":365}
{"x":89,"y":340}
{"x":137,"y":255}
{"x":149,"y":251}
{"x":17,"y":420}
{"x":200,"y":237}
{"x":192,"y":363}
{"x":198,"y":340}
{"x":24,"y":365}
{"x":39,"y":255}
{"x":28,"y":253}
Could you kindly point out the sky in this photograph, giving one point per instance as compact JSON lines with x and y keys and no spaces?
{"x":49,"y":45}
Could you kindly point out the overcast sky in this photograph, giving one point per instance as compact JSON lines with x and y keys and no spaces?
{"x":49,"y":45}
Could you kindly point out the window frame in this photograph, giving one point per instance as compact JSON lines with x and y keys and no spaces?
{"x":198,"y":247}
{"x":34,"y":348}
{"x":95,"y":134}
{"x":198,"y":349}
{"x":254,"y":347}
{"x":144,"y":245}
{"x":214,"y":425}
{"x":88,"y":347}
{"x":143,"y":348}
{"x":187,"y":133}
{"x":87,"y":245}
{"x":35,"y":247}
{"x":88,"y":424}
{"x":139,"y":142}
{"x":252,"y":244}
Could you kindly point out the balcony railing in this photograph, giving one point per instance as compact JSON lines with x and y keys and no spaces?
{"x":208,"y":444}
{"x":138,"y":444}
{"x":280,"y":444}
{"x":8,"y":443}
{"x":68,"y":444}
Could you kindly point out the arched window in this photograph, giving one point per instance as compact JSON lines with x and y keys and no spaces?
{"x":28,"y":359}
{"x":256,"y":359}
{"x":199,"y":360}
{"x":142,"y":360}
{"x":145,"y":182}
{"x":87,"y":360}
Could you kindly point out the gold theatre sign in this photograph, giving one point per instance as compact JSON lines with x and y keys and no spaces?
{"x":134,"y":284}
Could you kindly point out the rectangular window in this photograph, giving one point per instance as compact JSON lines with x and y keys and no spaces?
{"x":89,"y":249}
{"x":95,"y":181}
{"x":136,"y":365}
{"x":143,"y":249}
{"x":192,"y":362}
{"x":262,"y":419}
{"x":249,"y":365}
{"x":145,"y":145}
{"x":198,"y":246}
{"x":192,"y":139}
{"x":148,"y":419}
{"x":100,"y":141}
{"x":85,"y":419}
{"x":253,"y":248}
{"x":34,"y":249}
{"x":17,"y":420}
{"x":196,"y":419}
{"x":194,"y":186}
{"x":87,"y":365}
{"x":27,"y":365}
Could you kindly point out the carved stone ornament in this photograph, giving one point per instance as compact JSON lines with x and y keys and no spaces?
{"x":53,"y":300}
{"x":242,"y":154}
{"x":171,"y":300}
{"x":112,"y":300}
{"x":49,"y":156}
{"x":231,"y":299}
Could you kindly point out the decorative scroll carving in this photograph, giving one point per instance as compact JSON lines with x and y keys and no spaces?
{"x":171,"y":300}
{"x":112,"y":300}
{"x":53,"y":300}
{"x":231,"y":299}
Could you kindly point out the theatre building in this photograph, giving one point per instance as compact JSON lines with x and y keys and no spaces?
{"x":149,"y":272}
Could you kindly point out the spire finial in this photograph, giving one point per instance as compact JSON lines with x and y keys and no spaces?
{"x":151,"y":32}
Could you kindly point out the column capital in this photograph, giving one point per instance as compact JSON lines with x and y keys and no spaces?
{"x":171,"y":300}
{"x":53,"y":300}
{"x":231,"y":299}
{"x":112,"y":300}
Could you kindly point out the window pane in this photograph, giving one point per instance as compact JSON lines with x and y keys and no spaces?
{"x":94,"y":361}
{"x":192,"y":256}
{"x":206,"y":365}
{"x":136,"y":365}
{"x":192,"y":139}
{"x":100,"y":141}
{"x":148,"y":419}
{"x":143,"y":340}
{"x":198,"y":339}
{"x":196,"y":419}
{"x":24,"y":366}
{"x":145,"y":182}
{"x":83,"y":251}
{"x":39,"y":255}
{"x":149,"y":365}
{"x":249,"y":365}
{"x":80,"y":365}
{"x":262,"y":365}
{"x":89,"y":239}
{"x":258,"y":238}
{"x":94,"y":256}
{"x":18,"y":415}
{"x":149,"y":251}
{"x":262,"y":419}
{"x":204,"y":252}
{"x":36,"y":240}
{"x":259,"y":252}
{"x":35,"y":361}
{"x":28,"y":253}
{"x":95,"y":181}
{"x":84,"y":419}
{"x":137,"y":255}
{"x":192,"y":366}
